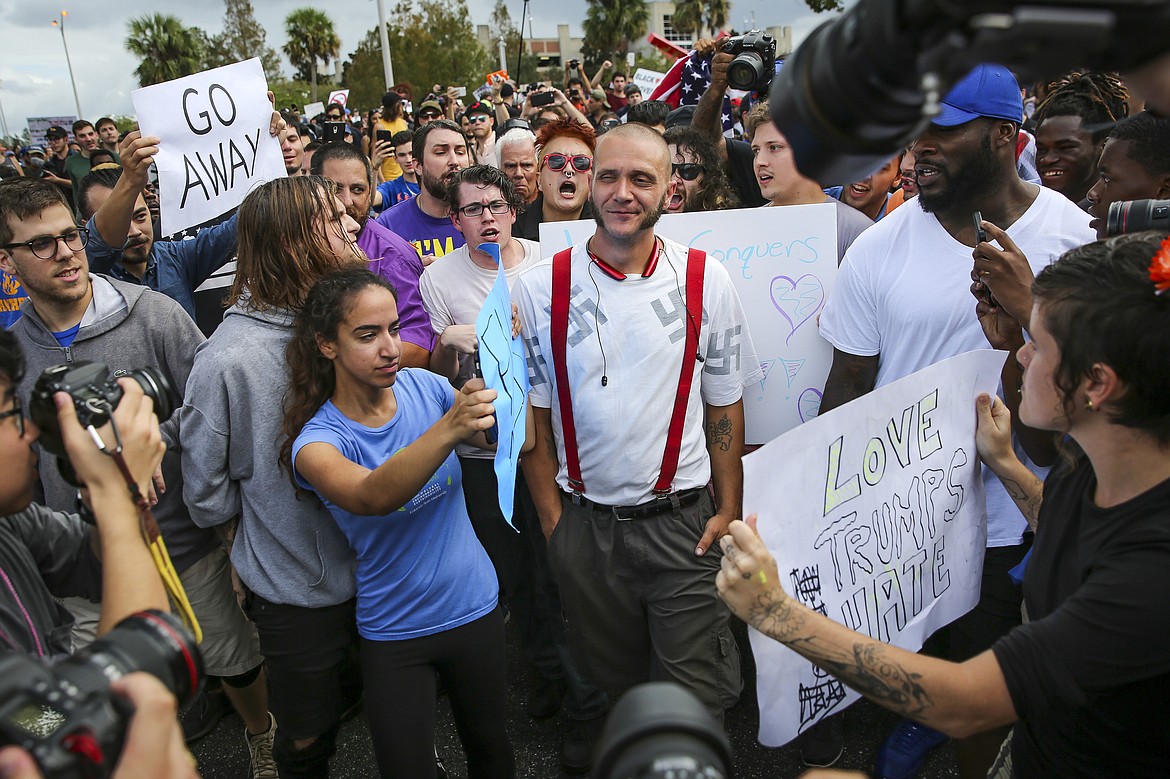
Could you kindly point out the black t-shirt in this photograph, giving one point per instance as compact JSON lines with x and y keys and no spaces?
{"x":743,"y":174}
{"x":1090,"y":674}
{"x":528,"y":221}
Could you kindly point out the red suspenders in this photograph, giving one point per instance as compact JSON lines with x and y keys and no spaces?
{"x":558,"y":331}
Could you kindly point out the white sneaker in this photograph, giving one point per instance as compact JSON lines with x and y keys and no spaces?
{"x":260,"y":751}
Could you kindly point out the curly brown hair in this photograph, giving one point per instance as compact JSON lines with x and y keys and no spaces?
{"x":716,"y":193}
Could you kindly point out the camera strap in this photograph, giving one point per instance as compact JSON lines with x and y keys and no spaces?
{"x":150,"y":530}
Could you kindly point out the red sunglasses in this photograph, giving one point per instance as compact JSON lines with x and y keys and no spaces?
{"x":581,"y":162}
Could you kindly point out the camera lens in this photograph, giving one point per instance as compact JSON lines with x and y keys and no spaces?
{"x":151,"y":641}
{"x":745,"y":71}
{"x":1134,"y":216}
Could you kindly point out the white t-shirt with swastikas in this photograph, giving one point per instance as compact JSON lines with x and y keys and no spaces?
{"x":632,"y":332}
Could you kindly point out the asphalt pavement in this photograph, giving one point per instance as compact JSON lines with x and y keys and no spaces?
{"x":224,"y":755}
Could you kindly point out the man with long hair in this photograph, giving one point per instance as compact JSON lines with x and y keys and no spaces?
{"x":290,"y":555}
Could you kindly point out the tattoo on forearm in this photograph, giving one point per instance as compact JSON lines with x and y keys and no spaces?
{"x":866,"y":666}
{"x":1028,"y":498}
{"x":720,"y":433}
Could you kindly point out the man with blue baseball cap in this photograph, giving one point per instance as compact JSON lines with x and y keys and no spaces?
{"x":902,"y":302}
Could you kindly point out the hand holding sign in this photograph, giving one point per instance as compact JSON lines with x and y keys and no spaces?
{"x":214,"y":148}
{"x":137,"y":154}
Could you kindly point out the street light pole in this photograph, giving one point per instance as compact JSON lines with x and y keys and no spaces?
{"x":3,"y":118}
{"x":387,"y":66}
{"x":60,"y":24}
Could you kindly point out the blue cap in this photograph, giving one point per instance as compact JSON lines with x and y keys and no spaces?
{"x":988,"y":90}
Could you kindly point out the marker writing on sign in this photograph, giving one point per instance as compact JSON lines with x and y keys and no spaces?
{"x":214,"y":170}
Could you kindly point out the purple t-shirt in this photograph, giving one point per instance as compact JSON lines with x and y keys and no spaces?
{"x":396,"y":261}
{"x":430,"y":236}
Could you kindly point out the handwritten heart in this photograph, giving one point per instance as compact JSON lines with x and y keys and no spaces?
{"x":798,"y":300}
{"x":809,"y":404}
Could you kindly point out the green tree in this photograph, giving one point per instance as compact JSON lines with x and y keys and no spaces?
{"x":610,"y":25}
{"x":311,"y":39}
{"x":166,"y":49}
{"x":820,"y":6}
{"x":699,"y":17}
{"x":432,"y":42}
{"x":243,"y":38}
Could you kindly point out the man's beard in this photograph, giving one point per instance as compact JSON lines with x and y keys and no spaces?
{"x":360,"y":218}
{"x":649,"y":219}
{"x":978,"y":175}
{"x":437,"y":187}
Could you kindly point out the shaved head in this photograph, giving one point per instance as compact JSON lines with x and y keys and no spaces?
{"x":643,"y":133}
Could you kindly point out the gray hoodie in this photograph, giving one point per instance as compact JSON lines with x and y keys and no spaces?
{"x":127,"y":326}
{"x":287,"y":550}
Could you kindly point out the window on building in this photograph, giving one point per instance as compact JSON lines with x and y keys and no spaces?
{"x":670,"y":34}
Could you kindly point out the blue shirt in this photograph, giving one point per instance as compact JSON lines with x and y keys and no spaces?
{"x":12,"y":295}
{"x":174,"y":268}
{"x":430,"y":236}
{"x":835,"y":193}
{"x":396,"y":191}
{"x":420,"y":570}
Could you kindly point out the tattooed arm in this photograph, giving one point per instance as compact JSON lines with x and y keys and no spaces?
{"x":724,"y":427}
{"x":993,"y":439}
{"x":540,"y":471}
{"x":958,"y":699}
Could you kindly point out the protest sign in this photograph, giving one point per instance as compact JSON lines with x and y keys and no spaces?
{"x":782,"y":262}
{"x":504,"y":369}
{"x":875,"y":514}
{"x":313,"y":110}
{"x":215,"y":147}
{"x":339,"y":96}
{"x":39,"y":125}
{"x":647,"y":80}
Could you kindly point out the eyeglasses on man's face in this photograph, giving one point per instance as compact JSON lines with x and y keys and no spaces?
{"x":16,"y":411}
{"x":497,"y":207}
{"x":44,"y":247}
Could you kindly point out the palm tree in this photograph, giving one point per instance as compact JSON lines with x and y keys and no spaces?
{"x":167,"y":49}
{"x":699,"y":16}
{"x":610,"y":25}
{"x":311,"y":37}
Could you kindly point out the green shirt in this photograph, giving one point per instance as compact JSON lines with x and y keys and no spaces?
{"x":77,"y":166}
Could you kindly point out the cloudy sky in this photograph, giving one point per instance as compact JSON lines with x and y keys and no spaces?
{"x":34,"y":79}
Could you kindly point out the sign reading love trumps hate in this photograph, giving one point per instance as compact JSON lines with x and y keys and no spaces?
{"x":782,"y":262}
{"x":214,"y":142}
{"x":876,"y":516}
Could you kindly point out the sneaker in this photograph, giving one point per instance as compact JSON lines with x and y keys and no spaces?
{"x":578,"y":743}
{"x":200,"y":717}
{"x":906,"y":749}
{"x":822,"y":744}
{"x":544,"y":699}
{"x":260,"y":751}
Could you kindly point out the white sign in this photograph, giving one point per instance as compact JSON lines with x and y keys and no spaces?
{"x":215,"y":147}
{"x":782,"y":262}
{"x":647,"y":80}
{"x":313,"y":109}
{"x":39,"y":125}
{"x":875,"y":513}
{"x":339,"y":96}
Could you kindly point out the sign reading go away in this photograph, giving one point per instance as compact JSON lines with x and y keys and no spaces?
{"x":215,"y":147}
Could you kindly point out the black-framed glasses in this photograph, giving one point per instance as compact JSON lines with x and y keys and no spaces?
{"x":687,"y":171}
{"x":497,"y":207}
{"x":581,"y":162}
{"x":45,"y":247}
{"x":16,"y":411}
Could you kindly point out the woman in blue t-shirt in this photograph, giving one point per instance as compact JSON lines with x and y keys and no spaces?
{"x":376,"y":443}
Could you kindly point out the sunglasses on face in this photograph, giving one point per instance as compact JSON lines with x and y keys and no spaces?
{"x":430,"y":116}
{"x":581,"y":162}
{"x":477,"y":118}
{"x":687,"y":171}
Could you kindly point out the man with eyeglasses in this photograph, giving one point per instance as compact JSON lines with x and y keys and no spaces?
{"x":483,"y":207}
{"x":564,"y":175}
{"x":482,"y":128}
{"x":440,"y":152}
{"x":72,"y":315}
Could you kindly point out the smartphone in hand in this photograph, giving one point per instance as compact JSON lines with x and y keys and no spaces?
{"x":492,"y":434}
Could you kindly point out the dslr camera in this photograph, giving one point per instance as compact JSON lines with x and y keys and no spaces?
{"x":64,"y":714}
{"x":754,"y":63}
{"x":573,"y":64}
{"x":1135,"y":216}
{"x":95,"y":394}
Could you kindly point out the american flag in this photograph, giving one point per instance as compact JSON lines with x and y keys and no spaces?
{"x":685,"y":83}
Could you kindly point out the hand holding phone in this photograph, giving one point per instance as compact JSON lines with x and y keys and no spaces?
{"x":492,"y":434}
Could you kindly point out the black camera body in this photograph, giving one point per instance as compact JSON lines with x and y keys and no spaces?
{"x":1135,"y":216}
{"x":754,"y":63}
{"x":64,"y":714}
{"x":95,"y":394}
{"x":574,"y":64}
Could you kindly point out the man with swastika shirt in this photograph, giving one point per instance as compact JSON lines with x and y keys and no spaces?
{"x":638,"y":353}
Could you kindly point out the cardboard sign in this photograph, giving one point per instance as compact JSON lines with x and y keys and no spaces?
{"x":215,"y":147}
{"x":313,"y":109}
{"x":39,"y":125}
{"x":339,"y":96}
{"x":782,"y":262}
{"x":875,"y":514}
{"x":647,"y":80}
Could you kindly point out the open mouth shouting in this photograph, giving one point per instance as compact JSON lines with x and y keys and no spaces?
{"x":676,"y":202}
{"x":926,"y":175}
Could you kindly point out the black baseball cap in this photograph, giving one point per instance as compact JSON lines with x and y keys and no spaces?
{"x":56,"y":131}
{"x":480,"y":107}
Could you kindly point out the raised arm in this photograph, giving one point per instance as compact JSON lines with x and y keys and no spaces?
{"x":112,"y":220}
{"x":993,"y":439}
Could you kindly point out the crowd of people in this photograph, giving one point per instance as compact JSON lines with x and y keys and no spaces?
{"x":326,"y":489}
